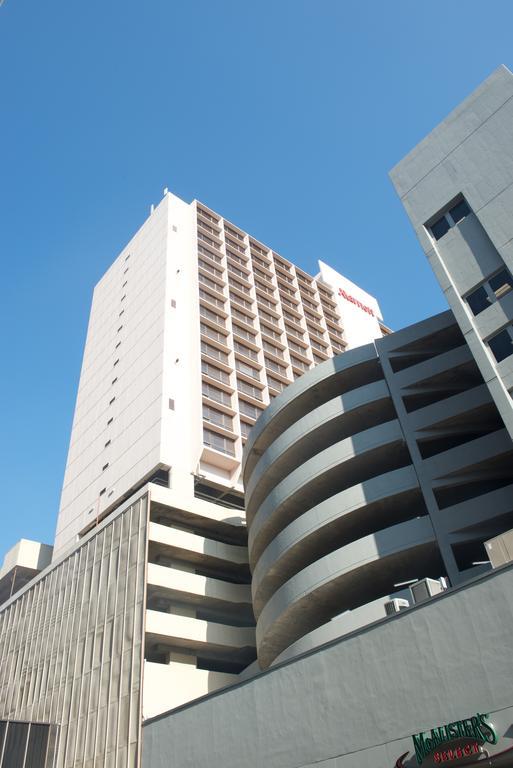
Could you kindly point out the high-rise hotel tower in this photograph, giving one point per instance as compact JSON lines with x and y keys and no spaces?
{"x":193,"y":330}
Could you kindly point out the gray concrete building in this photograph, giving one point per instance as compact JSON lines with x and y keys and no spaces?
{"x":372,"y":483}
{"x":457,"y":189}
{"x":387,"y":464}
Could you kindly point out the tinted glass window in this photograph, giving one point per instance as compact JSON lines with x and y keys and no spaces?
{"x":440,"y":227}
{"x":478,"y":300}
{"x":501,"y":283}
{"x":501,"y":345}
{"x":36,"y":750}
{"x":459,"y":211}
{"x":15,"y":745}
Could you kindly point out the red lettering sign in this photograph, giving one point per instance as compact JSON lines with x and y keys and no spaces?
{"x":352,"y":299}
{"x":445,"y":756}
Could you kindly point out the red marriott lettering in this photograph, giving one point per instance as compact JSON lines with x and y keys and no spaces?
{"x":352,"y":299}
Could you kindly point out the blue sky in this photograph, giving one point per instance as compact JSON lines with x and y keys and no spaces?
{"x":283,"y":115}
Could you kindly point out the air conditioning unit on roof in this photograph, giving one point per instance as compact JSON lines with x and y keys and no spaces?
{"x":500,"y":549}
{"x":396,"y":605}
{"x":426,"y":588}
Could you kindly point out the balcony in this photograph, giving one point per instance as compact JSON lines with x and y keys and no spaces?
{"x":233,"y":244}
{"x":315,"y":332}
{"x":202,"y":637}
{"x":295,"y":329}
{"x":211,"y":240}
{"x":210,"y":269}
{"x":274,"y":384}
{"x":212,"y":301}
{"x":219,"y":442}
{"x":218,"y":396}
{"x":218,"y":356}
{"x":259,"y":249}
{"x":233,"y":233}
{"x":249,"y":410}
{"x":214,"y":335}
{"x":251,"y":391}
{"x":299,"y":364}
{"x":266,"y":290}
{"x":213,"y":285}
{"x":215,"y":257}
{"x":235,"y":284}
{"x":208,"y":216}
{"x":188,"y":586}
{"x":212,"y":317}
{"x":247,"y":370}
{"x":242,"y":333}
{"x":237,"y":259}
{"x":212,"y":372}
{"x":218,"y":418}
{"x":275,"y":335}
{"x":208,"y":228}
{"x":269,"y":305}
{"x":242,"y":349}
{"x":280,"y":370}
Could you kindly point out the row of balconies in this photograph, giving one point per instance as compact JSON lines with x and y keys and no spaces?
{"x":199,"y":623}
{"x":324,"y":305}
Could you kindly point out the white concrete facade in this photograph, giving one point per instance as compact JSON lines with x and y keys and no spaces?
{"x":194,"y":329}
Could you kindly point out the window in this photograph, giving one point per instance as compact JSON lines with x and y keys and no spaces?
{"x":298,"y":363}
{"x":214,"y":373}
{"x":216,"y":394}
{"x":115,"y":362}
{"x":272,"y":349}
{"x":242,"y":317}
{"x":243,"y":334}
{"x":212,"y":299}
{"x":110,"y":421}
{"x":171,"y":404}
{"x":105,"y":467}
{"x":217,"y":417}
{"x":107,"y":444}
{"x":248,"y":370}
{"x":120,"y":328}
{"x":478,"y":300}
{"x":220,"y":443}
{"x":243,"y":350}
{"x":114,"y":380}
{"x":489,"y":292}
{"x":502,"y":344}
{"x":449,"y":219}
{"x":249,"y":410}
{"x":275,"y":384}
{"x":272,"y":366}
{"x":248,"y":389}
{"x":501,"y":283}
{"x":245,"y":428}
{"x":212,"y":316}
{"x":206,"y":330}
{"x":217,"y":354}
{"x":110,"y":403}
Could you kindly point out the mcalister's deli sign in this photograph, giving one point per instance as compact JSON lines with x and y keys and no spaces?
{"x":463,"y":742}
